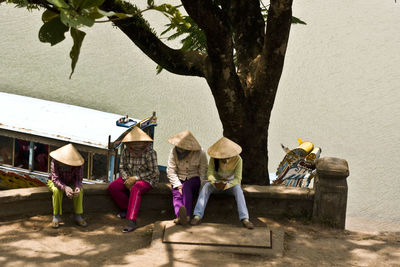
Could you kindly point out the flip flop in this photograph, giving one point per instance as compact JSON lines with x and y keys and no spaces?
{"x":122,"y":215}
{"x":82,"y":223}
{"x":195,"y":221}
{"x":128,"y":229}
{"x":247,"y":224}
{"x":182,"y":215}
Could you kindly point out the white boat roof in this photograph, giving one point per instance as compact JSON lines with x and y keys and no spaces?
{"x":58,"y":121}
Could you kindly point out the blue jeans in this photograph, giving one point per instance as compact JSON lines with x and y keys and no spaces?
{"x":209,"y":189}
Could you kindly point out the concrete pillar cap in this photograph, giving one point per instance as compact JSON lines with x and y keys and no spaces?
{"x":332,"y":167}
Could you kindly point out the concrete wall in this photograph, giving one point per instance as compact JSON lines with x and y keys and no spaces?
{"x":326,"y":203}
{"x":261,"y":201}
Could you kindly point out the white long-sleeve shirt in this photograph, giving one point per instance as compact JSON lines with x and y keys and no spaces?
{"x":194,"y":164}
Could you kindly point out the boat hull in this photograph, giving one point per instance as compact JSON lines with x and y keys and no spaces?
{"x":11,"y":179}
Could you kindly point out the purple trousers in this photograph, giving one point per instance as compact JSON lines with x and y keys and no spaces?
{"x":190,"y":189}
{"x":129,"y":201}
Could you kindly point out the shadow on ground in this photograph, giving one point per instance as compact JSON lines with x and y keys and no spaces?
{"x":32,"y":242}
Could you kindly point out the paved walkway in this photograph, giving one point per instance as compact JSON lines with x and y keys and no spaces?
{"x":32,"y":242}
{"x":218,"y":237}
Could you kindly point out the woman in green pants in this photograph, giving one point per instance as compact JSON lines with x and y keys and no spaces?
{"x":66,"y":177}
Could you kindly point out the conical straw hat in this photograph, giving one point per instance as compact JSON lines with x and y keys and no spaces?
{"x":185,"y":140}
{"x":135,"y":135}
{"x":224,"y":148}
{"x":68,"y":155}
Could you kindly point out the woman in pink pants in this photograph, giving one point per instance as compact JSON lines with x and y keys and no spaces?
{"x":139,"y":173}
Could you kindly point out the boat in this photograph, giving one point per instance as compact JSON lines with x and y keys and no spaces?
{"x":30,"y":128}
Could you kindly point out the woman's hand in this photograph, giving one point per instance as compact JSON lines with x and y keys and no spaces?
{"x":130,"y":182}
{"x":69,"y":192}
{"x":219,"y":186}
{"x":180,"y":189}
{"x":77,"y":191}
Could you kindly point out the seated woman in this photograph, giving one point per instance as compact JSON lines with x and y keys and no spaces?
{"x":66,"y":176}
{"x":139,"y":173}
{"x":224,"y":176}
{"x":187,"y":166}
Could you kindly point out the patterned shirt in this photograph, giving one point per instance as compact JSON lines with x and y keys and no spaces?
{"x":193,"y":165}
{"x":63,"y":175}
{"x":144,"y":166}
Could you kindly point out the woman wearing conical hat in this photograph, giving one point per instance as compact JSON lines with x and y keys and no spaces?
{"x":187,"y":166}
{"x":139,"y":173}
{"x":66,"y":177}
{"x":224,"y":175}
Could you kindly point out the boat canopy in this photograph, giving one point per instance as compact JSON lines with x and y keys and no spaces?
{"x":57,"y":121}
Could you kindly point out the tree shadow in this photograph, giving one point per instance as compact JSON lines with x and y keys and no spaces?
{"x":31,"y":241}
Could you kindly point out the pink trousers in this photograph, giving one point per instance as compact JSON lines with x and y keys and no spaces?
{"x":125,"y":200}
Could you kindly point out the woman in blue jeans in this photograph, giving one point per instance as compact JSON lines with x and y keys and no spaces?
{"x":224,"y":176}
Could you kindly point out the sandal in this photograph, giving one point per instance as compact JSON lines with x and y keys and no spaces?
{"x":182,"y":216}
{"x":196,"y":220}
{"x":247,"y":224}
{"x":55,"y":225}
{"x":122,"y":215}
{"x":82,"y":223}
{"x":130,"y":227}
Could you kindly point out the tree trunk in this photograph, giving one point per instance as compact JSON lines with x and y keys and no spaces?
{"x":255,"y":155}
{"x":251,"y":133}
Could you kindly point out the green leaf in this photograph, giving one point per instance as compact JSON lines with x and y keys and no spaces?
{"x":159,"y":68}
{"x":78,"y":37}
{"x":52,"y":31}
{"x":58,"y":3}
{"x":94,"y":14}
{"x":122,"y":15}
{"x":150,"y":3}
{"x":105,"y":13}
{"x":73,"y":19}
{"x":112,"y":13}
{"x":49,"y":15}
{"x":297,"y":21}
{"x":83,"y":4}
{"x":194,"y":39}
{"x":168,"y":10}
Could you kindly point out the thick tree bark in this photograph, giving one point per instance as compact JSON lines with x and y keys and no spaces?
{"x":244,"y":92}
{"x":254,"y":142}
{"x":245,"y":96}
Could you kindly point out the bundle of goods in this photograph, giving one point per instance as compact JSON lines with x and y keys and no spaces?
{"x":297,"y":167}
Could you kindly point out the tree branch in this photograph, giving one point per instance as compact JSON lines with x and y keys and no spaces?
{"x":29,"y":4}
{"x":189,"y":63}
{"x":221,"y":72}
{"x":249,"y":30}
{"x":207,"y":15}
{"x":270,"y":65}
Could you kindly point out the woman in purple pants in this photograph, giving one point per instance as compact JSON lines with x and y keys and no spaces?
{"x":187,"y":166}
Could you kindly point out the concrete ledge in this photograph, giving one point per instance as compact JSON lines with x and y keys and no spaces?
{"x":261,"y":201}
{"x":278,"y":192}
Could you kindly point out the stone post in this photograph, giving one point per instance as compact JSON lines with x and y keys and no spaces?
{"x":330,"y":199}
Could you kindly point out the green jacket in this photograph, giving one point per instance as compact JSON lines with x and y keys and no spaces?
{"x":229,"y":177}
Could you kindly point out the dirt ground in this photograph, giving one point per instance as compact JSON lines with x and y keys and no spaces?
{"x":32,"y":242}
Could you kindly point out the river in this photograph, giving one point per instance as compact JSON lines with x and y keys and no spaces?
{"x":339,"y":89}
